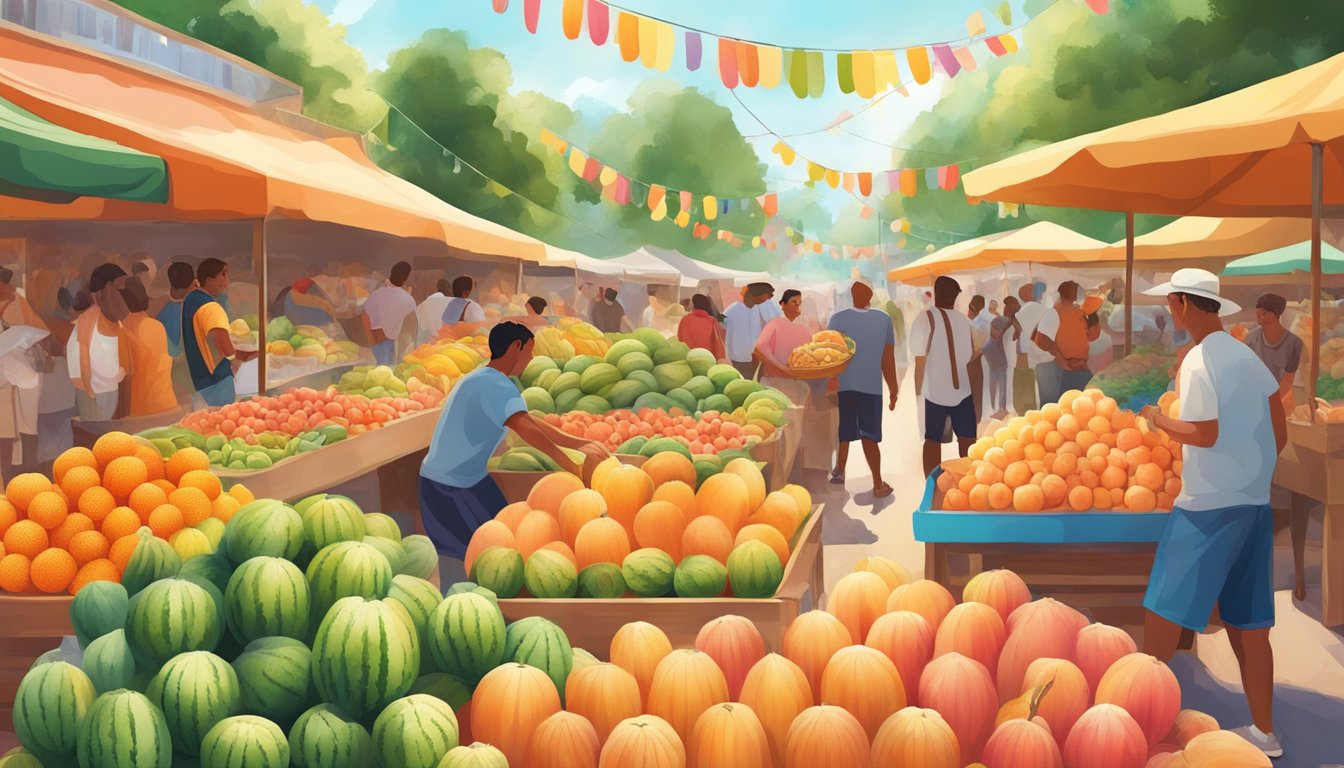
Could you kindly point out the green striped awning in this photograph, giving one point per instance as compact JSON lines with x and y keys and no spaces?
{"x":1283,"y":261}
{"x":43,"y":161}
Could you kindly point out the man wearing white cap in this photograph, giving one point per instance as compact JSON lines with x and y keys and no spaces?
{"x":1218,"y":545}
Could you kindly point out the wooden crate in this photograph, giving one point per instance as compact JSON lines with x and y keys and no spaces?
{"x":1311,"y":468}
{"x":591,"y":624}
{"x":34,"y":624}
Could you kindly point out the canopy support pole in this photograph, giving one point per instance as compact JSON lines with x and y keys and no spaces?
{"x":519,"y":287}
{"x":1317,"y":205}
{"x":259,"y":264}
{"x":1129,"y":282}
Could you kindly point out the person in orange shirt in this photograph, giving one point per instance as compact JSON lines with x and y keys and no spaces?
{"x":1065,"y":331}
{"x":144,"y":355}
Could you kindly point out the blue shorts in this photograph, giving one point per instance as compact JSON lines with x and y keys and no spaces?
{"x":936,"y":417}
{"x":452,"y":515}
{"x":1223,"y":556}
{"x":860,"y":416}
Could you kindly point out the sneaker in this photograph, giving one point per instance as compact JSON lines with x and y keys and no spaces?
{"x":837,"y":478}
{"x":1265,"y":742}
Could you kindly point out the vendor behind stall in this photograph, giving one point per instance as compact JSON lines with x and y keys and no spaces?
{"x":206,"y":343}
{"x":457,"y":494}
{"x":20,"y":382}
{"x":385,"y":313}
{"x":777,"y":341}
{"x":92,"y":353}
{"x":1065,"y":331}
{"x":1279,"y":350}
{"x":144,"y":356}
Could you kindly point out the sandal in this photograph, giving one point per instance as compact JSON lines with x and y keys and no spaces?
{"x":882,"y":491}
{"x":837,"y":478}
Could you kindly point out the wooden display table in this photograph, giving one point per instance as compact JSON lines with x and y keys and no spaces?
{"x":591,"y":624}
{"x":85,"y":433}
{"x":1311,"y":468}
{"x":34,"y":624}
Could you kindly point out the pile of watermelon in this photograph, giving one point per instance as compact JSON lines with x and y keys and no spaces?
{"x":311,"y":638}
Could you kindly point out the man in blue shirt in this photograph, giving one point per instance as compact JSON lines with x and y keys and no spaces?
{"x":457,"y":494}
{"x":860,"y":395}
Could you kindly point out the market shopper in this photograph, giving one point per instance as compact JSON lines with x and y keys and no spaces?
{"x":144,"y":356}
{"x":744,"y":320}
{"x":20,"y":378}
{"x":429,"y":314}
{"x":385,"y":313}
{"x":457,"y":494}
{"x":1004,"y":332}
{"x":777,"y":341}
{"x":1277,"y":348}
{"x":181,"y":281}
{"x":699,"y":329}
{"x":461,"y":308}
{"x":206,"y":343}
{"x":944,"y":347}
{"x":860,"y":385}
{"x":1065,"y":332}
{"x":93,"y":352}
{"x":1027,"y":356}
{"x":1218,"y":544}
{"x":607,"y":314}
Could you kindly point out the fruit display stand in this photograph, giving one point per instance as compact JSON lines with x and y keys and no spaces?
{"x":591,"y":623}
{"x":1098,"y":560}
{"x":780,"y":452}
{"x":1311,"y":468}
{"x":86,"y":432}
{"x":34,"y":624}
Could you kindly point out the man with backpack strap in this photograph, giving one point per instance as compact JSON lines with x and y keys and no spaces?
{"x":946,"y":366}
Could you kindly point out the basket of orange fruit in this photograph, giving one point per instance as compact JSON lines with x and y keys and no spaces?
{"x":826,"y":355}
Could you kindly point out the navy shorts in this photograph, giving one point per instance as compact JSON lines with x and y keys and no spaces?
{"x":936,"y":417}
{"x":1223,"y":556}
{"x":860,"y":416}
{"x":452,"y":515}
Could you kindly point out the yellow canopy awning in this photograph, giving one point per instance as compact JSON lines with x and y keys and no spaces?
{"x":1198,"y":241}
{"x":1041,"y":243}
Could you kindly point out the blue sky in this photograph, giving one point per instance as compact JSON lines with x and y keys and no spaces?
{"x":595,"y":80}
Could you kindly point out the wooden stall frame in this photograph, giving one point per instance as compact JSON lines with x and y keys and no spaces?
{"x":34,"y":624}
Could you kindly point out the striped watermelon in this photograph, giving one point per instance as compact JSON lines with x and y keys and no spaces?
{"x":50,"y":701}
{"x":245,"y":741}
{"x":328,"y":519}
{"x":466,"y":636}
{"x":471,"y":586}
{"x":648,"y":572}
{"x":366,"y":654}
{"x":123,"y":729}
{"x":346,"y":569}
{"x":392,"y":550}
{"x":173,"y":616}
{"x":541,"y":643}
{"x":754,"y":570}
{"x":477,"y":755}
{"x":275,"y":677}
{"x":378,"y":524}
{"x":215,"y":569}
{"x":151,"y":560}
{"x":414,"y":732}
{"x":500,"y":570}
{"x":194,"y":691}
{"x":442,"y":685}
{"x":263,"y":528}
{"x":267,"y":597}
{"x":421,"y":556}
{"x":99,"y":607}
{"x":601,"y":581}
{"x":19,"y":757}
{"x":109,"y":663}
{"x":419,"y":598}
{"x":550,"y":575}
{"x":323,"y":737}
{"x":700,"y":576}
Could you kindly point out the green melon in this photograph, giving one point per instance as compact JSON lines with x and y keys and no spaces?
{"x":644,"y":377}
{"x":737,"y":391}
{"x":267,"y":596}
{"x":51,"y":700}
{"x":700,"y":361}
{"x":535,"y":368}
{"x":19,"y":757}
{"x":173,"y":616}
{"x":705,"y":468}
{"x":328,"y":519}
{"x":324,"y":737}
{"x":346,"y":569}
{"x":547,"y":378}
{"x":151,"y":560}
{"x":664,"y":444}
{"x":366,"y":655}
{"x":648,"y":572}
{"x":565,"y":401}
{"x":538,"y":399}
{"x":633,"y":446}
{"x":414,"y":732}
{"x":592,"y":404}
{"x":650,"y":338}
{"x":245,"y":741}
{"x":476,"y":755}
{"x":622,"y":348}
{"x":500,"y":570}
{"x":719,"y":403}
{"x":471,"y":586}
{"x":443,"y":686}
{"x":655,"y":401}
{"x":213,"y":529}
{"x":635,"y":361}
{"x":421,"y":556}
{"x":583,"y":659}
{"x":767,"y":393}
{"x":672,"y":375}
{"x":700,"y":576}
{"x":99,"y":608}
{"x":672,"y":351}
{"x":467,"y":636}
{"x":541,"y":643}
{"x":392,"y":550}
{"x":419,"y":598}
{"x":754,"y":570}
{"x":275,"y":677}
{"x":109,"y":662}
{"x":381,"y":525}
{"x":194,"y":691}
{"x":565,"y":382}
{"x":685,"y":400}
{"x":722,"y":374}
{"x":580,"y":363}
{"x":625,"y":393}
{"x":213,"y":569}
{"x":550,"y":575}
{"x":597,"y":376}
{"x":263,"y":528}
{"x":700,"y":387}
{"x":122,"y":729}
{"x":602,"y":581}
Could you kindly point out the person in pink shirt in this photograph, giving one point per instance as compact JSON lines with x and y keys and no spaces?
{"x":782,"y":335}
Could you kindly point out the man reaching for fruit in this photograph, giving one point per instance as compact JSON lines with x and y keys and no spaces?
{"x":1218,"y":545}
{"x":457,"y":494}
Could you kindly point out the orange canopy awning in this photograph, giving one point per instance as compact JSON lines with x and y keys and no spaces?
{"x":1041,"y":243}
{"x":224,"y":160}
{"x":1244,"y":154}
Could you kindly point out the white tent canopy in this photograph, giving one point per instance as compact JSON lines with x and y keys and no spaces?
{"x":694,"y":272}
{"x":644,"y":267}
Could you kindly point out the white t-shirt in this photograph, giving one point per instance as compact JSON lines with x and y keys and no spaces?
{"x":742,"y":326}
{"x":466,"y":309}
{"x":387,"y":308}
{"x":938,"y":388}
{"x":646,"y":319}
{"x":1222,"y":379}
{"x":1029,"y":316}
{"x":429,"y":315}
{"x":104,"y":359}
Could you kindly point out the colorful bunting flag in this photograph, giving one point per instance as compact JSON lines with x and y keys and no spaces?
{"x":608,"y":176}
{"x":975,"y":24}
{"x":657,"y":195}
{"x":844,"y":72}
{"x":692,"y":51}
{"x":995,"y":46}
{"x":598,"y":20}
{"x":920,"y":67}
{"x":865,"y":75}
{"x":685,"y":200}
{"x":946,"y":59}
{"x":931,"y":178}
{"x":500,"y":6}
{"x":728,"y":62}
{"x":795,"y":61}
{"x":786,"y":153}
{"x":648,"y":42}
{"x":832,"y":178}
{"x":591,"y":170}
{"x":948,"y":176}
{"x":885,"y":71}
{"x":683,"y":219}
{"x":909,"y":182}
{"x":865,"y":184}
{"x":577,"y":161}
{"x":710,"y":207}
{"x":667,"y":47}
{"x":965,"y":58}
{"x":1005,"y":13}
{"x":770,"y":62}
{"x":572,"y":16}
{"x":1099,"y":6}
{"x":531,"y":12}
{"x":748,"y":68}
{"x":627,"y":35}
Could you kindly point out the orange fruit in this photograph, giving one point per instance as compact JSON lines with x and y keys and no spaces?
{"x":1165,"y":501}
{"x":1150,"y":476}
{"x":1106,"y":407}
{"x":47,"y":509}
{"x":1017,"y":475}
{"x":87,"y":545}
{"x":193,"y":503}
{"x":1101,"y":498}
{"x":121,"y":521}
{"x":23,"y":488}
{"x":95,"y":570}
{"x":1066,"y":464}
{"x":121,"y":549}
{"x":165,"y":520}
{"x":71,"y":458}
{"x":1100,"y":425}
{"x":112,"y":446}
{"x":8,"y":514}
{"x":145,"y":498}
{"x":14,"y":570}
{"x":1000,"y":496}
{"x":123,"y":474}
{"x":1084,"y":408}
{"x":1080,"y":498}
{"x":1051,"y":413}
{"x":1053,"y":441}
{"x":955,"y":500}
{"x":1098,"y":464}
{"x":1098,"y":449}
{"x":53,"y":570}
{"x":965,"y":484}
{"x":1117,"y":498}
{"x":26,"y":538}
{"x":240,"y":492}
{"x":225,"y":506}
{"x":184,"y":461}
{"x":1089,"y":478}
{"x":978,"y":498}
{"x":78,"y":480}
{"x":1055,"y":490}
{"x":202,"y":479}
{"x":997,"y":457}
{"x":164,"y":486}
{"x":988,"y":474}
{"x":1173,"y":487}
{"x":76,"y":523}
{"x":1128,"y":439}
{"x":96,"y":503}
{"x":1161,"y":456}
{"x":1066,"y":400}
{"x":1113,"y":477}
{"x":153,"y":461}
{"x":1028,"y":498}
{"x":1086,"y":439}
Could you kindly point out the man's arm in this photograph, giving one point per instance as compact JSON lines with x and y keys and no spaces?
{"x":889,"y":373}
{"x":375,"y":334}
{"x":1286,"y":385}
{"x":550,"y":441}
{"x":1278,"y":416}
{"x":919,"y":374}
{"x":1198,"y":434}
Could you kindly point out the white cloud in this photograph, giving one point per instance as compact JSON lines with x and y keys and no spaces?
{"x":349,"y":12}
{"x":610,"y":92}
